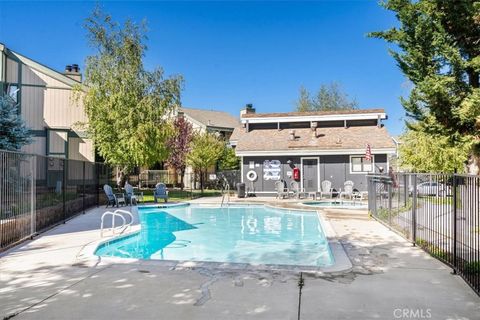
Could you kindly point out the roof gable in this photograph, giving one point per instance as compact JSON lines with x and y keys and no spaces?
{"x":211,"y":118}
{"x":39,"y":67}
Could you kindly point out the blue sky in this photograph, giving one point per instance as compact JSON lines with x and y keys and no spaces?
{"x":233,"y":53}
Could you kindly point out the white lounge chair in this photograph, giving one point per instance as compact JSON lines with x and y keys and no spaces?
{"x":326,"y":189}
{"x":295,"y":188}
{"x":282,"y":191}
{"x":347,"y":190}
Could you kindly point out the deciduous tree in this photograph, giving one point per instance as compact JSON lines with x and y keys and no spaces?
{"x":179,"y":146}
{"x":228,"y":160}
{"x":423,"y":152}
{"x":206,"y":149}
{"x":128,"y":107}
{"x":329,"y":97}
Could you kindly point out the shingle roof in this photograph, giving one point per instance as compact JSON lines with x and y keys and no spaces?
{"x":336,"y":138}
{"x":312,"y":113}
{"x":212,"y":118}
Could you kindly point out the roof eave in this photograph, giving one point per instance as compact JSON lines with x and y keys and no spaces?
{"x":330,"y":117}
{"x":42,"y":68}
{"x":303,"y":152}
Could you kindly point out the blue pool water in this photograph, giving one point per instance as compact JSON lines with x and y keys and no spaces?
{"x":337,"y":204}
{"x":240,"y":234}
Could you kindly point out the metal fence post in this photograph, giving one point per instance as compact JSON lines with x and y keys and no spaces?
{"x":414,"y":210}
{"x":33,"y":210}
{"x":64,"y":189}
{"x":97,"y":183}
{"x":405,"y":190}
{"x":83,"y":188}
{"x":454,"y":200}
{"x":390,"y":193}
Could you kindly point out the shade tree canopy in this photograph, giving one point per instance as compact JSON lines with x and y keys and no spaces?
{"x":128,"y":106}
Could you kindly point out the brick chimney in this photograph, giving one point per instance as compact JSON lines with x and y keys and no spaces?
{"x":73,"y":71}
{"x":248,"y":109}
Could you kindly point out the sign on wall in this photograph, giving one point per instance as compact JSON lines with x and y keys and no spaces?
{"x":272,"y":169}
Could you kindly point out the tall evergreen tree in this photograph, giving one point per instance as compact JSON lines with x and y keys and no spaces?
{"x":439,"y":52}
{"x":13,"y":132}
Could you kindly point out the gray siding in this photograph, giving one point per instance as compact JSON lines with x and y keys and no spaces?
{"x":335,"y":168}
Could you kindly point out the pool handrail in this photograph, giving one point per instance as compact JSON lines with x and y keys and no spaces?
{"x":116,"y":213}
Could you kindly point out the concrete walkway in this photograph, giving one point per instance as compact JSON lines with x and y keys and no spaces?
{"x":50,"y":278}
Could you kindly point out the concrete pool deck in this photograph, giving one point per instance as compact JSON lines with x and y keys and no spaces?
{"x":49,"y":278}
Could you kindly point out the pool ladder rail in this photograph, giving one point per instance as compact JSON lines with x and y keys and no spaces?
{"x":225,"y":192}
{"x":117,"y":213}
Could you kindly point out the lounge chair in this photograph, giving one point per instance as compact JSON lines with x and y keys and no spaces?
{"x":113,"y":199}
{"x":132,"y":197}
{"x":160,"y":192}
{"x":282,"y":191}
{"x":326,"y":189}
{"x":295,"y":188}
{"x":347,"y":190}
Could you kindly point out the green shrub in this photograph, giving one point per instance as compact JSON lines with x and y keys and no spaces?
{"x":472,"y":267}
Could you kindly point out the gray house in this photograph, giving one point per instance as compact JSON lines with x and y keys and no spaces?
{"x":310,"y":147}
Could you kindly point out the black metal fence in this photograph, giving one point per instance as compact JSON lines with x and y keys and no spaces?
{"x":38,"y":192}
{"x":438,"y":212}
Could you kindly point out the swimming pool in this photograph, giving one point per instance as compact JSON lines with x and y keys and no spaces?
{"x":256,"y":235}
{"x":340,"y":204}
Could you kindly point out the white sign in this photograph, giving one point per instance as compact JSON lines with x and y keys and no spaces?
{"x":272,"y":170}
{"x":212,"y":176}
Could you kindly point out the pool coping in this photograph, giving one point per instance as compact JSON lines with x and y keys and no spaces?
{"x":364,"y":206}
{"x":342,"y":263}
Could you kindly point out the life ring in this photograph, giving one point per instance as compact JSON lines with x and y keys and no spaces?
{"x":251,"y":175}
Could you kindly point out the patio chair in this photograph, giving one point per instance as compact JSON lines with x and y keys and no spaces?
{"x":326,"y":189}
{"x":113,"y":199}
{"x":282,"y":191}
{"x":161,"y":192}
{"x":347,"y":190}
{"x":295,"y":188}
{"x":132,"y":197}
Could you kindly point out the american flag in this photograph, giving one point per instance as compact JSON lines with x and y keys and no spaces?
{"x":368,"y":153}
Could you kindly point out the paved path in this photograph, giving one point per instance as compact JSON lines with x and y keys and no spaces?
{"x":49,"y":279}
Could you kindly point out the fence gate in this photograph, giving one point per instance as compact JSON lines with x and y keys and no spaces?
{"x":17,"y":197}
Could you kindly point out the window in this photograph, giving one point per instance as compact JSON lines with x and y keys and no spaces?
{"x":57,"y":143}
{"x":358,"y":164}
{"x":12,"y":91}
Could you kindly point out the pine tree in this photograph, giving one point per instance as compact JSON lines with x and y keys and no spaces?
{"x":13,"y":132}
{"x":439,"y":52}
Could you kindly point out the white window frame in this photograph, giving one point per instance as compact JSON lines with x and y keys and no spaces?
{"x":361,"y":156}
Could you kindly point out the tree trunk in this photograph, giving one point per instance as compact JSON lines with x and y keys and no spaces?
{"x":201,"y":181}
{"x":182,"y":176}
{"x":473,"y":165}
{"x":122,"y":176}
{"x":473,"y":78}
{"x":175,"y":177}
